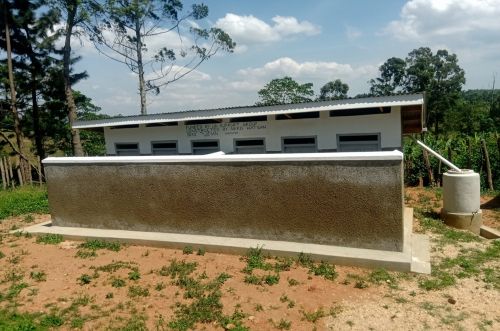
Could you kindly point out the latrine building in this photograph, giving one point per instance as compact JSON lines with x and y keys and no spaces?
{"x":357,"y":124}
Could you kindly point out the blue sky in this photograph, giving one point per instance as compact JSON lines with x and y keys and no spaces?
{"x":311,"y":41}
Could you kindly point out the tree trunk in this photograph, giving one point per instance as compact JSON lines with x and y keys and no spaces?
{"x":428,"y":167}
{"x":488,"y":165}
{"x":13,"y":101}
{"x":72,"y":116}
{"x":142,"y":89}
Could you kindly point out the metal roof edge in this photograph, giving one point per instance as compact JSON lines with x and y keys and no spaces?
{"x":244,"y":111}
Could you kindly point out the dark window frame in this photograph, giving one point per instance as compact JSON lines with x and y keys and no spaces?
{"x":237,"y":140}
{"x":297,"y":116}
{"x":284,"y":144}
{"x":176,"y":149}
{"x":118,"y":149}
{"x":353,"y":141}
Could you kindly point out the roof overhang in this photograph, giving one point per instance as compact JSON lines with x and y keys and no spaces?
{"x":220,"y":113}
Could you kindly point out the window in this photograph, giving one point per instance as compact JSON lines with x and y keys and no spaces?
{"x":249,"y":146}
{"x":164,"y":148}
{"x":203,"y":147}
{"x":152,"y":125}
{"x":358,"y":142}
{"x":295,"y":116}
{"x":360,"y":111}
{"x":209,"y":121}
{"x":248,"y":119}
{"x":127,"y":149}
{"x":299,"y":145}
{"x":131,"y":126}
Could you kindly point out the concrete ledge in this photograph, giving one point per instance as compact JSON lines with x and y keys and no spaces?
{"x":489,"y":233}
{"x":415,"y":258}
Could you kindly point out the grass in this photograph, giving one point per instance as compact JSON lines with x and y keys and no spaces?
{"x":314,"y":316}
{"x":283,"y":325}
{"x":467,"y":264}
{"x":84,"y":279}
{"x":39,"y":276}
{"x":118,"y":282}
{"x":137,"y":291}
{"x":14,"y":320}
{"x":178,"y":269}
{"x":96,"y":244}
{"x":23,"y":200}
{"x":324,"y":269}
{"x":50,"y":239}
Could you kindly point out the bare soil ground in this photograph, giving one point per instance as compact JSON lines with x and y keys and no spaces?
{"x":65,"y":286}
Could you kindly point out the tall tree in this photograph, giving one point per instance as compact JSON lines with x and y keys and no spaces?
{"x":78,"y":16}
{"x":334,"y":90}
{"x":438,"y":75}
{"x":135,"y":23}
{"x":392,"y":77}
{"x":23,"y":161}
{"x":285,"y":90}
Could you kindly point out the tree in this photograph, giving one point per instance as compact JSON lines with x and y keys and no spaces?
{"x":79,"y":16}
{"x":334,"y":90}
{"x":438,"y":75}
{"x":392,"y":77}
{"x":134,"y":23}
{"x":285,"y":90}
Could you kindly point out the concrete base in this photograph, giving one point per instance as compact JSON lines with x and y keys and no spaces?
{"x":489,"y":233}
{"x":415,"y":256}
{"x":464,"y":221}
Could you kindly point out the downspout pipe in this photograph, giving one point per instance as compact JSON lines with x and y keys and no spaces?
{"x":445,"y":161}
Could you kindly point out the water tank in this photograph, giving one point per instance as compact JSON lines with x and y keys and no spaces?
{"x":461,"y":200}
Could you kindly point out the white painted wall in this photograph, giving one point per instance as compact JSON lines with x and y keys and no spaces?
{"x":324,"y":128}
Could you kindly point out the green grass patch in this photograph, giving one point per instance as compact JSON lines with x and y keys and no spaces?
{"x":313,"y":316}
{"x":115,"y":266}
{"x":118,"y":282}
{"x":449,"y":235}
{"x":324,"y":269}
{"x":85,"y":254}
{"x":23,"y":200}
{"x":380,"y":276}
{"x":14,"y":320}
{"x":96,"y":244}
{"x":39,"y":276}
{"x":178,"y":269}
{"x":467,"y":264}
{"x":50,"y":239}
{"x":137,"y":291}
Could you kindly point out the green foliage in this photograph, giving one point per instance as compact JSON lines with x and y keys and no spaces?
{"x":283,"y":324}
{"x":114,"y":266}
{"x":380,"y":275}
{"x":50,"y":239}
{"x":285,"y":90}
{"x":84,"y":279}
{"x":324,"y":269}
{"x":134,"y":275}
{"x":85,"y":253}
{"x":137,"y":291}
{"x":187,"y":250}
{"x":39,"y":276}
{"x":313,"y":316}
{"x":23,"y":200}
{"x":96,"y":244}
{"x":464,"y":151}
{"x":334,"y":90}
{"x":201,"y":251}
{"x":14,"y":320}
{"x":118,"y":282}
{"x":178,"y":269}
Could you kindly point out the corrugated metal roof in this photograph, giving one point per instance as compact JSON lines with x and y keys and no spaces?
{"x":244,"y":111}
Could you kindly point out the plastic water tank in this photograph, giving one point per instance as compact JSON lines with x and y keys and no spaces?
{"x":461,"y":200}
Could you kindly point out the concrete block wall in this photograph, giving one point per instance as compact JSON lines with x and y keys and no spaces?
{"x":344,"y":199}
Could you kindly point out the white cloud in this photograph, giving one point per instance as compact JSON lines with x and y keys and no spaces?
{"x":455,"y":20}
{"x":308,"y":69}
{"x":250,"y":29}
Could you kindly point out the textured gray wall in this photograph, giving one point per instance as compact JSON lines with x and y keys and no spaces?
{"x":346,"y":203}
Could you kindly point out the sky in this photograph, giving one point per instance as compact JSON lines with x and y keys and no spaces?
{"x":311,"y":41}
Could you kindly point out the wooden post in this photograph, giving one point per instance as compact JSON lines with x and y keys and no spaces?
{"x":488,"y":165}
{"x":2,"y":170}
{"x":11,"y":173}
{"x":4,"y":163}
{"x":20,"y":176}
{"x":428,"y":166}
